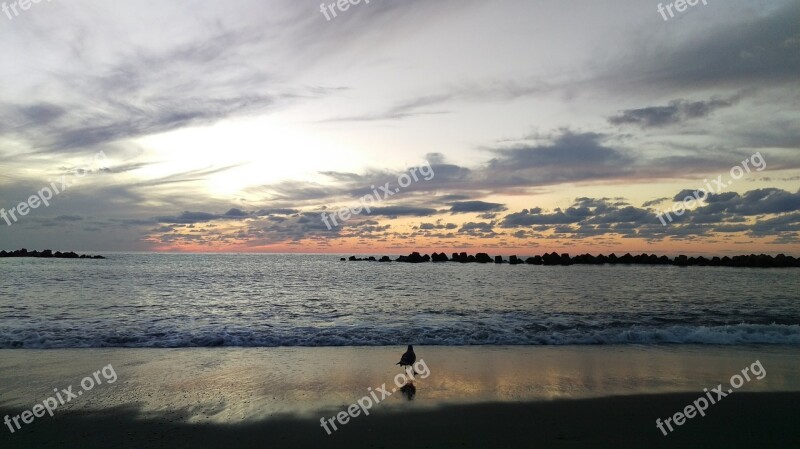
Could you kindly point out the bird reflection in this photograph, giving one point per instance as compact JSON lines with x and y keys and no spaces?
{"x":409,"y":390}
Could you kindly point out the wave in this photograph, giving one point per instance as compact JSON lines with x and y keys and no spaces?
{"x":464,"y":335}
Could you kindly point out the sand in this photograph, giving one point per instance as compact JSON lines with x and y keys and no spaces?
{"x":607,"y":396}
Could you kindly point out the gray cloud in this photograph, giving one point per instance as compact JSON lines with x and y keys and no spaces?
{"x":438,"y":225}
{"x":401,"y":211}
{"x":479,"y":229}
{"x":506,"y":90}
{"x":654,"y":202}
{"x":676,"y":112}
{"x":750,"y":51}
{"x":775,"y":212}
{"x":571,"y":157}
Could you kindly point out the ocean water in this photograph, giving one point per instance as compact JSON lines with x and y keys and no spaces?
{"x":192,"y":300}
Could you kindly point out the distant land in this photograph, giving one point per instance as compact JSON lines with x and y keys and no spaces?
{"x":752,"y":261}
{"x":47,"y":254}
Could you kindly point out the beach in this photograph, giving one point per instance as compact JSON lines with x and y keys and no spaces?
{"x":488,"y":396}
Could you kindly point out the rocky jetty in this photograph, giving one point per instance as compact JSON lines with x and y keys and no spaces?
{"x":47,"y":254}
{"x":414,"y":258}
{"x":752,"y":260}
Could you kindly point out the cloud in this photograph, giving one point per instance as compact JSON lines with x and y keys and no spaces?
{"x":747,"y":51}
{"x":204,"y":217}
{"x":570,"y":157}
{"x":754,"y":202}
{"x":183,"y":177}
{"x":475,"y":206}
{"x":86,"y":92}
{"x":400,"y":211}
{"x":482,"y":230}
{"x":528,"y":217}
{"x":784,"y":225}
{"x":234,"y":212}
{"x":277,"y":211}
{"x":771,"y":212}
{"x":409,"y":108}
{"x":654,"y":202}
{"x":676,"y":112}
{"x":188,"y":217}
{"x":152,"y":89}
{"x":438,"y":226}
{"x":505,"y":90}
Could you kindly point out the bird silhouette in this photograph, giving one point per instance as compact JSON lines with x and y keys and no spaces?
{"x":408,"y":358}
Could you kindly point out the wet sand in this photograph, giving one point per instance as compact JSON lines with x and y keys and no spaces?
{"x":606,"y":396}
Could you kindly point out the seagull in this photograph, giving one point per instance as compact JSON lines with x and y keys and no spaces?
{"x":408,"y":358}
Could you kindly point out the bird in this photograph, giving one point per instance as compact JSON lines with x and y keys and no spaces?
{"x":408,"y":358}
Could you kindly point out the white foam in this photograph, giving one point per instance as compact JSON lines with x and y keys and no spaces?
{"x":739,"y":334}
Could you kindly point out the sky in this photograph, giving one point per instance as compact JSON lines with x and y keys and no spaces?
{"x":508,"y":126}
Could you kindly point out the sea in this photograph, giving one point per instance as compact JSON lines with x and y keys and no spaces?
{"x":136,"y":300}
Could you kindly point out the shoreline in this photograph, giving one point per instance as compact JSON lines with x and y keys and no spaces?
{"x":552,"y":396}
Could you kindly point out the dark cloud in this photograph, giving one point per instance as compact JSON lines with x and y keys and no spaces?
{"x":773,"y":212}
{"x":40,"y":113}
{"x":688,"y":193}
{"x":749,"y":51}
{"x":278,"y":211}
{"x":189,"y":217}
{"x":303,"y":226}
{"x":438,"y":226}
{"x":482,"y":230}
{"x":236,"y":213}
{"x":528,"y":217}
{"x":571,"y":157}
{"x":783,"y":225}
{"x":676,"y":112}
{"x":231,"y":214}
{"x":401,"y":211}
{"x":755,"y":202}
{"x":568,"y":148}
{"x":619,"y":215}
